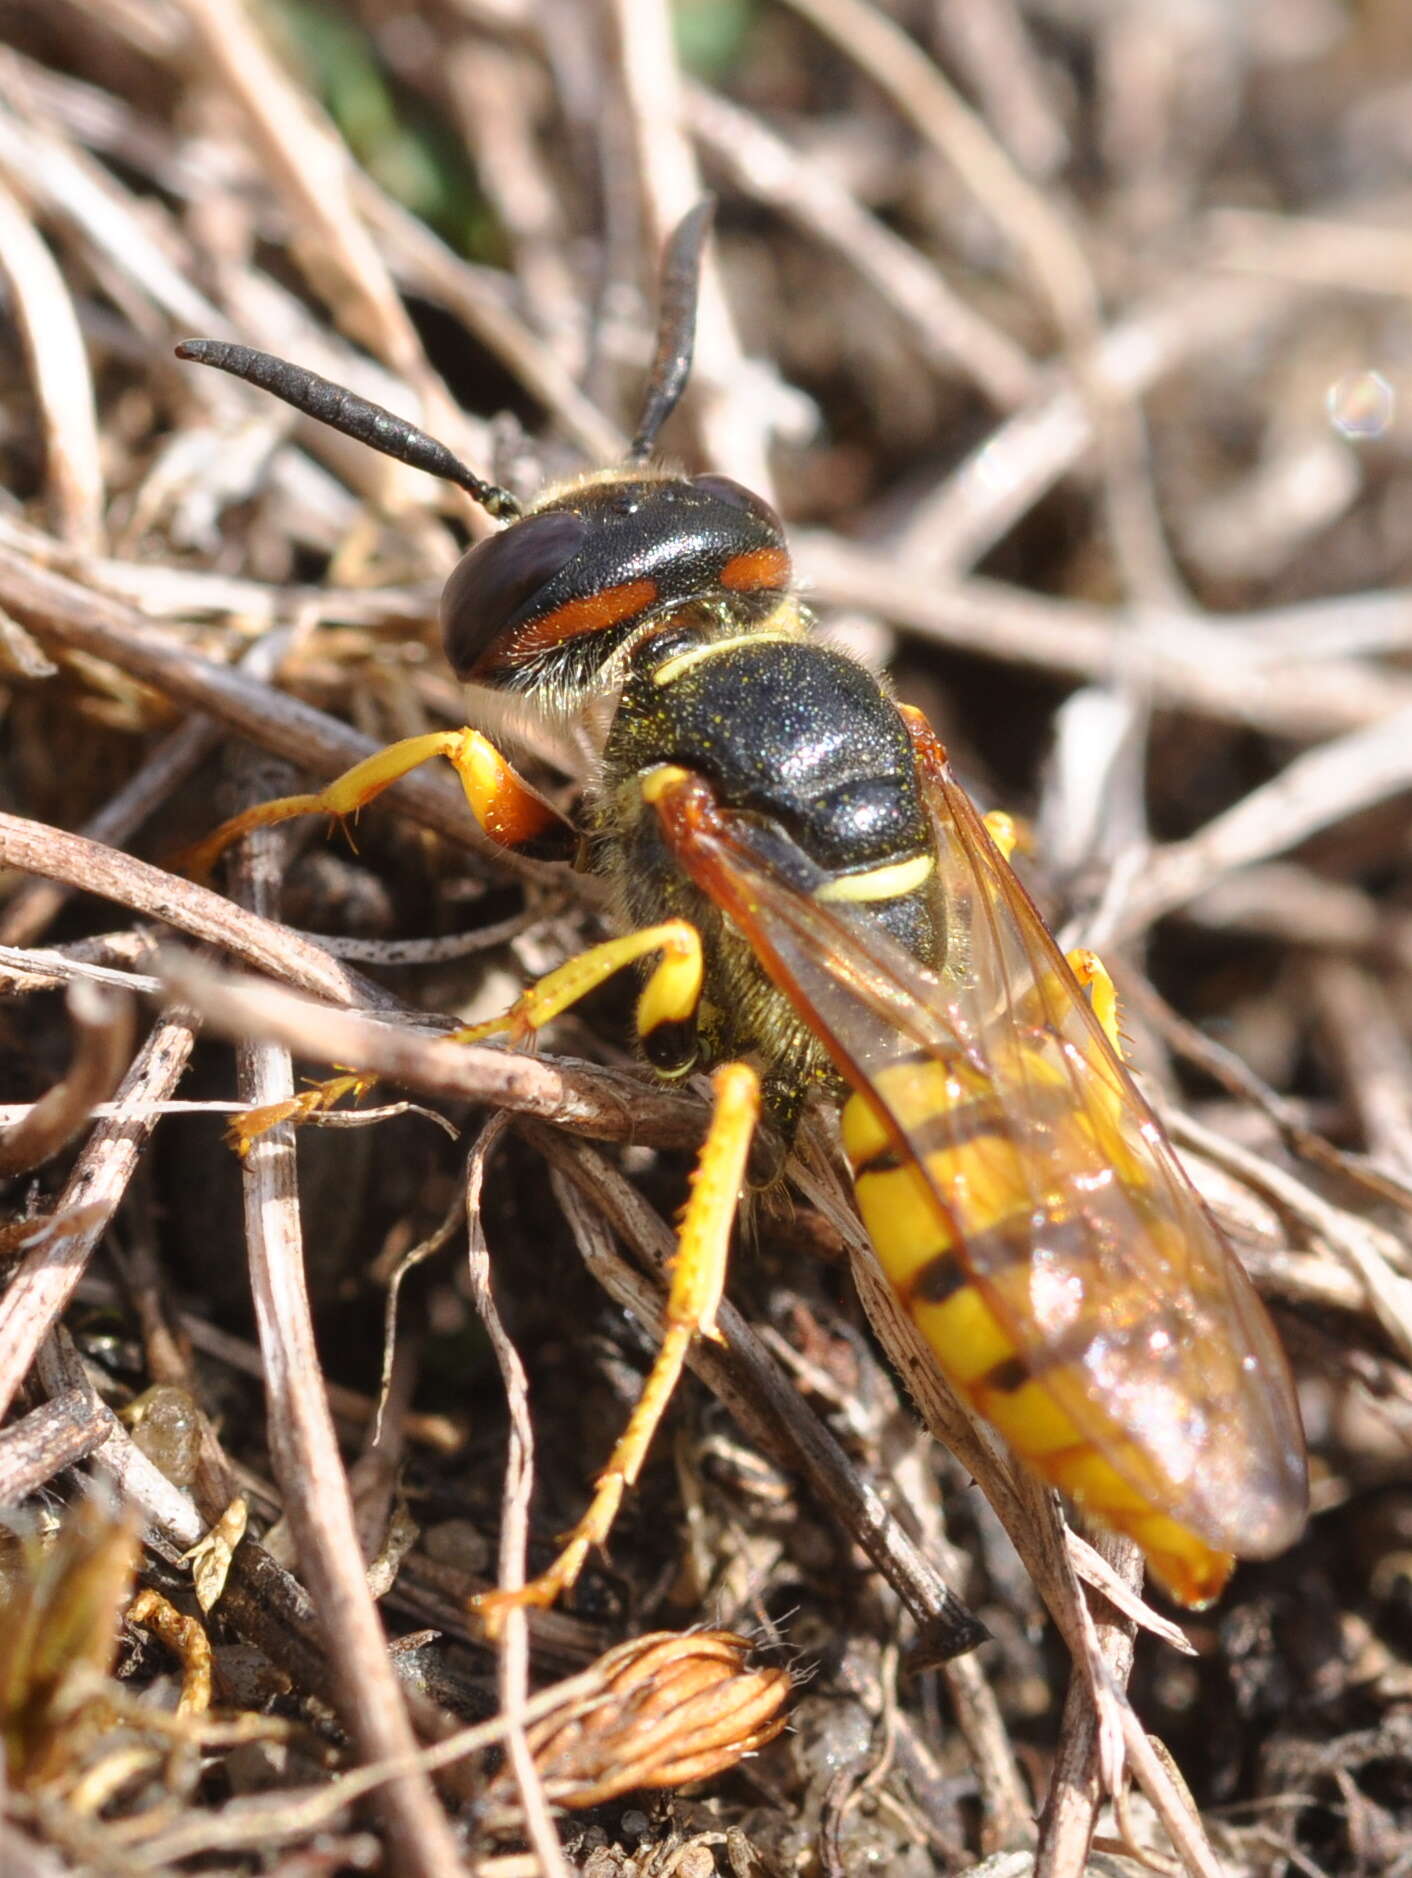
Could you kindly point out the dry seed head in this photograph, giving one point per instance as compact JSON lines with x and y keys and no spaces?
{"x":669,"y":1708}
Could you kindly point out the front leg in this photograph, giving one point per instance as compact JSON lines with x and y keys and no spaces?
{"x":511,"y":813}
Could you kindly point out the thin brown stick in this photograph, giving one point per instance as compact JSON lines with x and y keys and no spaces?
{"x":494,"y":90}
{"x":998,"y":482}
{"x":304,"y":1452}
{"x":948,"y":332}
{"x":42,"y":1286}
{"x":47,"y":1440}
{"x":103,"y":1022}
{"x":732,"y":422}
{"x":996,"y":54}
{"x":1076,"y":1790}
{"x":310,"y":162}
{"x":1188,"y":661}
{"x":606,"y":1104}
{"x":45,"y":969}
{"x":1377,"y":1257}
{"x":513,"y":1641}
{"x":191,"y":909}
{"x":427,"y":266}
{"x":63,"y":180}
{"x":1044,"y":238}
{"x":1361,"y":1025}
{"x":29,"y":912}
{"x":1315,"y":791}
{"x":1299,"y":907}
{"x":58,"y":364}
{"x":33,"y":909}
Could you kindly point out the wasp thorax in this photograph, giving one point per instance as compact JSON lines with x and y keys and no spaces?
{"x":562,"y":590}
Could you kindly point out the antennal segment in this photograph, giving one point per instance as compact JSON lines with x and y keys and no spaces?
{"x":356,"y":417}
{"x":676,"y":325}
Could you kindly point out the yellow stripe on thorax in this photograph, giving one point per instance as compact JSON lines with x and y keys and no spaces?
{"x":683,"y":662}
{"x":879,"y":883}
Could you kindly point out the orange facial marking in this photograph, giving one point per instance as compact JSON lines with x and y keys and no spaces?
{"x":760,"y":567}
{"x":588,"y":615}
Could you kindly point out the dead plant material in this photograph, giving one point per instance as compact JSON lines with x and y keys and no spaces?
{"x":1070,"y":342}
{"x":103,"y":1026}
{"x":59,"y":1639}
{"x":661,"y":1710}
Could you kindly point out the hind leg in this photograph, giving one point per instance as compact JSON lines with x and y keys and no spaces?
{"x":698,"y":1277}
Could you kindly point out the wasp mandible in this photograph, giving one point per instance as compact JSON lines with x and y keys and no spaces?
{"x":817,"y":907}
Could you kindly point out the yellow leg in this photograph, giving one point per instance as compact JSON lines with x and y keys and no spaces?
{"x":1003,"y":830}
{"x":509,"y":811}
{"x":1101,"y":992}
{"x":698,"y":1277}
{"x":665,"y":1012}
{"x":669,"y":998}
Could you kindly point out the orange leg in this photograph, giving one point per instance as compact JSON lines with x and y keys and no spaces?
{"x":505,"y":806}
{"x":698,"y":1277}
{"x":247,"y":1127}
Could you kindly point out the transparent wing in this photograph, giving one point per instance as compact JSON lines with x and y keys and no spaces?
{"x":1121,"y":1294}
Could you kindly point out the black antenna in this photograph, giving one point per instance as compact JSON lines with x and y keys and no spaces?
{"x":676,"y":325}
{"x":356,"y":417}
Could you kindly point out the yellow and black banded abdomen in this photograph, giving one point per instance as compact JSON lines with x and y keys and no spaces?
{"x":991,"y":1223}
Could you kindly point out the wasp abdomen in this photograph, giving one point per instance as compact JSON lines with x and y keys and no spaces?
{"x":993,"y":1222}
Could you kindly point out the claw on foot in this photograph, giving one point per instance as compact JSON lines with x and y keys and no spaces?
{"x":246,"y":1129}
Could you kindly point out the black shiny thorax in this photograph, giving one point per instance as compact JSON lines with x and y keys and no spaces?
{"x":803,"y":737}
{"x":790,"y":730}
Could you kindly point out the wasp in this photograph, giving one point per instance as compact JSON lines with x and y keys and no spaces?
{"x":817,"y":906}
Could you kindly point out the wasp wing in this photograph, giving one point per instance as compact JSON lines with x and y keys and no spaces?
{"x":1125,"y":1302}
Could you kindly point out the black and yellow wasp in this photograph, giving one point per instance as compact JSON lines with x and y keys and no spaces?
{"x":827,"y":911}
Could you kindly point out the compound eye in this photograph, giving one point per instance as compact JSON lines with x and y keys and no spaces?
{"x":737,"y":496}
{"x":493,"y":587}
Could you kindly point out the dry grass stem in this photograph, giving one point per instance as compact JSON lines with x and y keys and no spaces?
{"x":304,"y":1450}
{"x":513,"y":1640}
{"x":63,"y":384}
{"x":47,"y":1440}
{"x":103,"y":1024}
